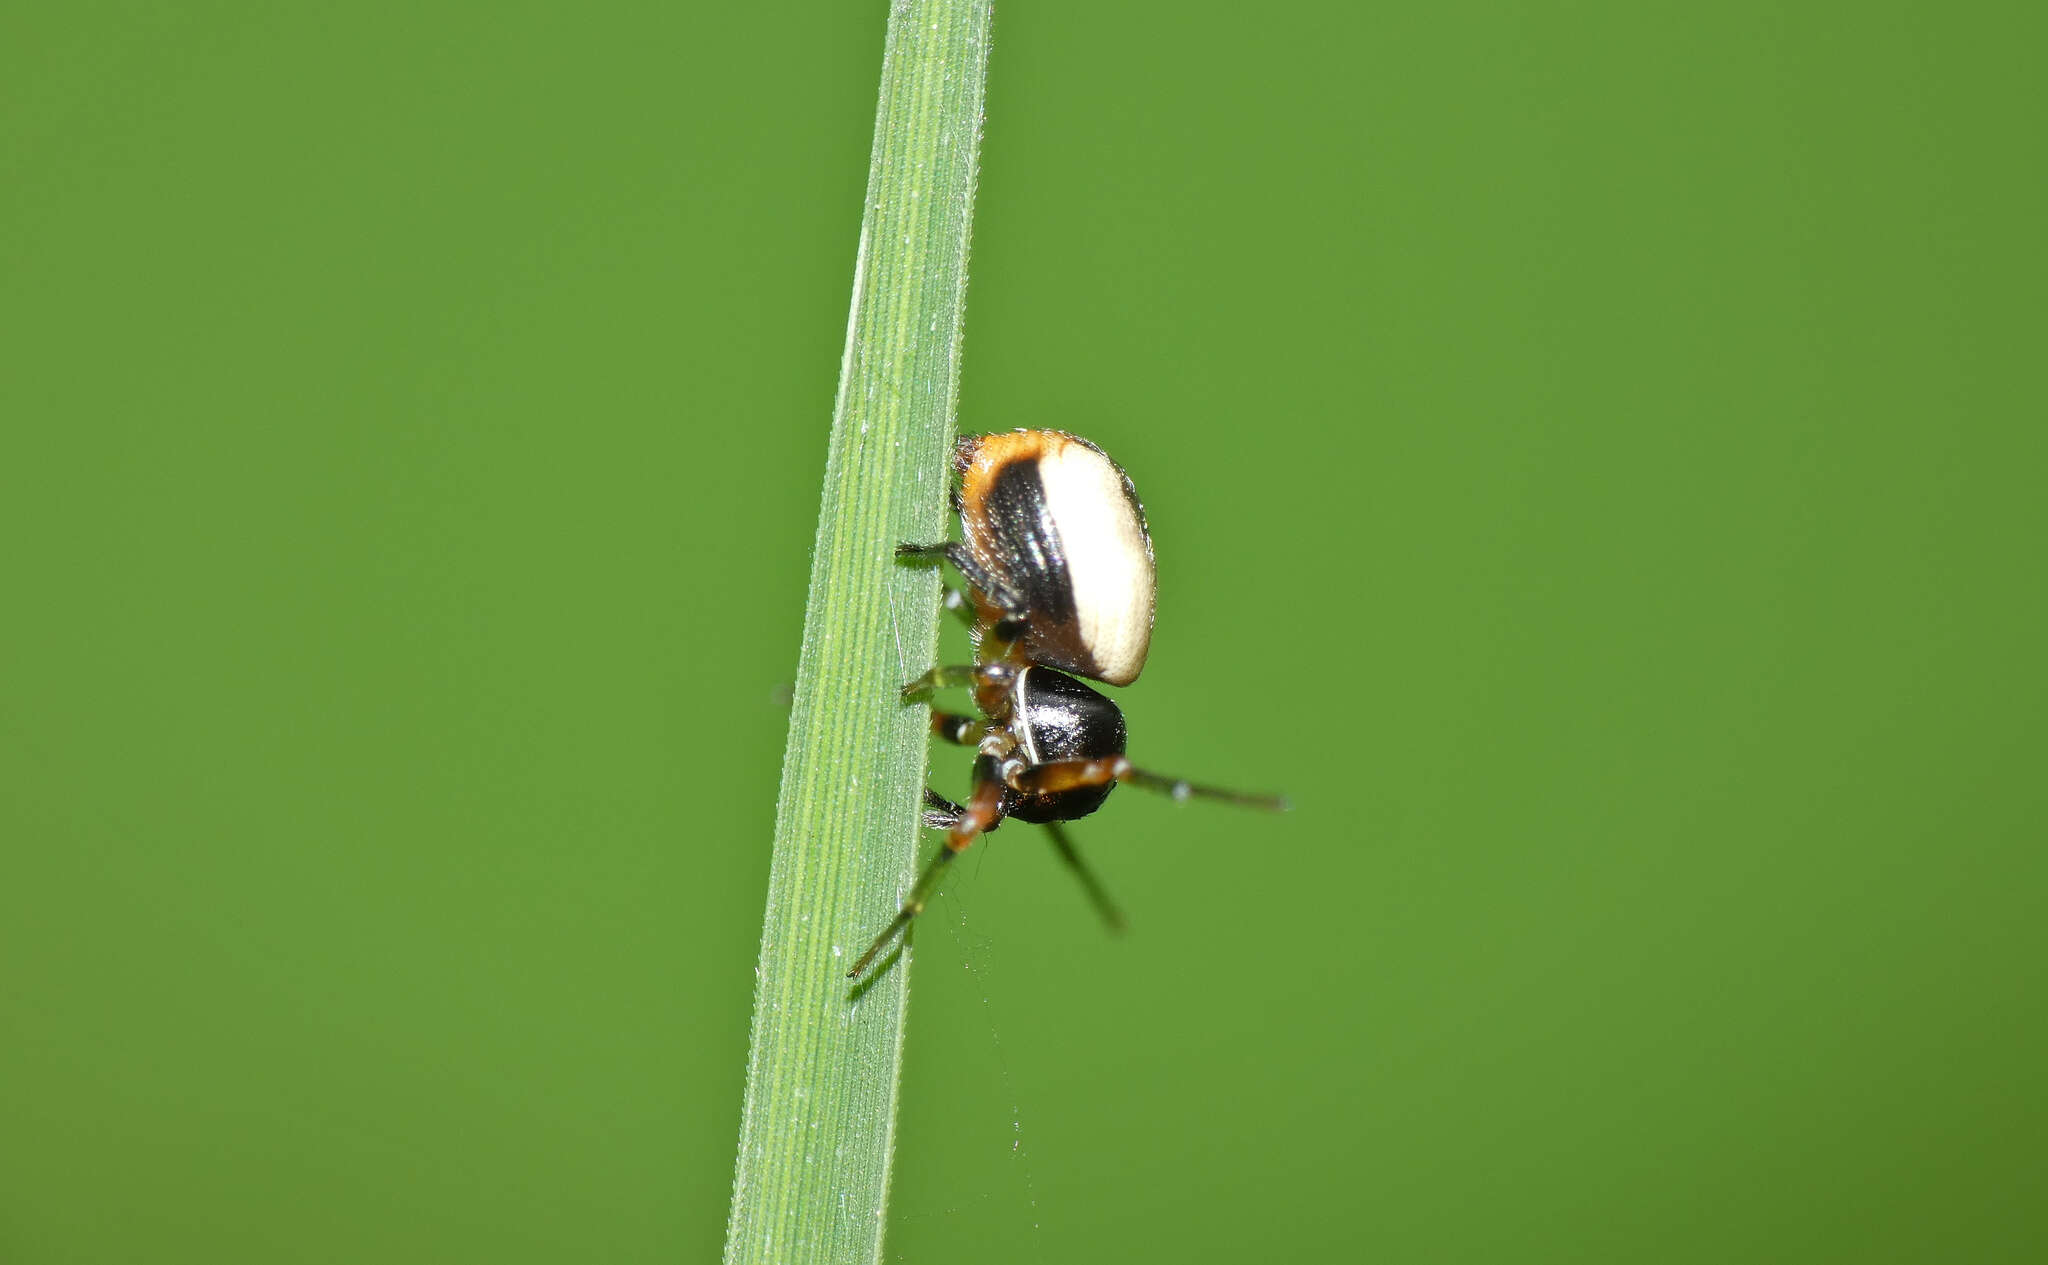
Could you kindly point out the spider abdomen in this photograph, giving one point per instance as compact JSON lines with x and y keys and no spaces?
{"x":1058,"y":527}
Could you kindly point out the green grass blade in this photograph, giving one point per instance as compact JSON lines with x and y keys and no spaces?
{"x":813,"y":1175}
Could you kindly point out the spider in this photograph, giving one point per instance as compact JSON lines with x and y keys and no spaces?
{"x":1059,"y":572}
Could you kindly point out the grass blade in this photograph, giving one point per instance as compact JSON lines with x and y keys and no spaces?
{"x":813,"y":1174}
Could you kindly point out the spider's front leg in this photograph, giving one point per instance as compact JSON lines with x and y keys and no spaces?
{"x":983,"y":810}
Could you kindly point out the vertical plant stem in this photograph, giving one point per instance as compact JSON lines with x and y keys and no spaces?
{"x":812,"y":1181}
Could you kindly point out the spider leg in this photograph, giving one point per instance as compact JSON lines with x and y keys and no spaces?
{"x":1097,"y":893}
{"x":984,"y":809}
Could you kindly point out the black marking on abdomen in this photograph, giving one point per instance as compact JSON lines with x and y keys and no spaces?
{"x":1022,"y":527}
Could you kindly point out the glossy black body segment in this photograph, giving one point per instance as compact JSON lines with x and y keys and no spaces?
{"x":1062,"y":719}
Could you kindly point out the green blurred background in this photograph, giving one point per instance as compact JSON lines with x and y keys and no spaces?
{"x":1596,"y":458}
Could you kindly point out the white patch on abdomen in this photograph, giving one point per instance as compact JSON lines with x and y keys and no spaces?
{"x":1108,"y":559}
